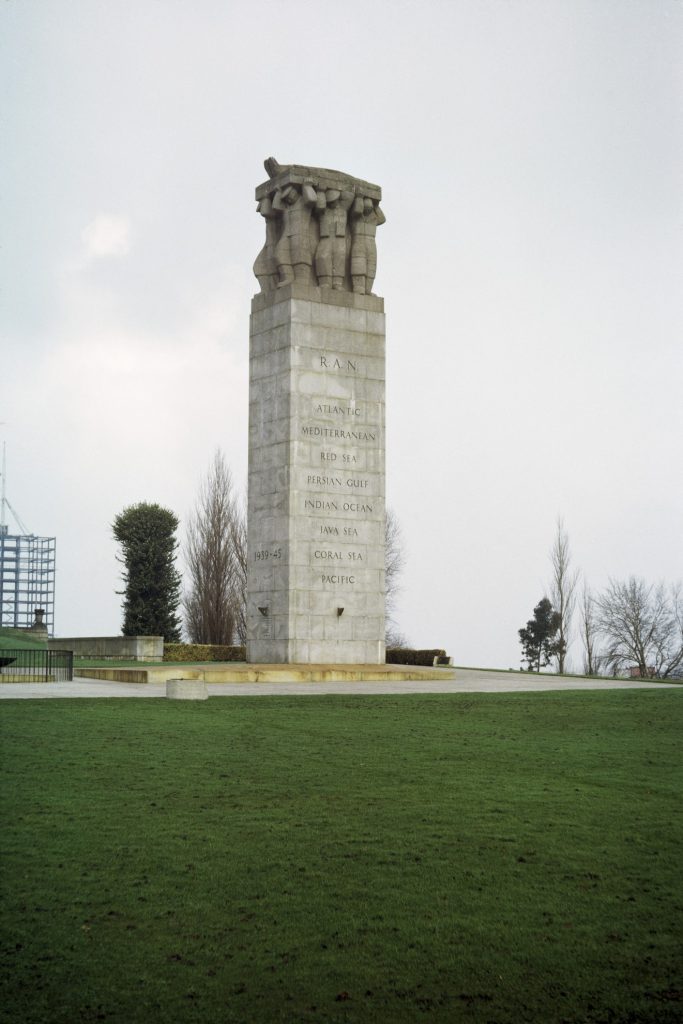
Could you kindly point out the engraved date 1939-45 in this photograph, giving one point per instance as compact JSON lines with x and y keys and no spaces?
{"x":264,"y":554}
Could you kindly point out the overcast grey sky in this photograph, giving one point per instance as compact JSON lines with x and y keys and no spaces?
{"x":531,"y":156}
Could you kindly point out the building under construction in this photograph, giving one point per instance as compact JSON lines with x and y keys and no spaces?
{"x":27,"y":572}
{"x":27,"y":579}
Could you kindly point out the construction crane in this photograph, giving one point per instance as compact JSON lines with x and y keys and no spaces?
{"x":5,"y":500}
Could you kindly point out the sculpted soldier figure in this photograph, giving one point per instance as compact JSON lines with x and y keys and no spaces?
{"x":335,"y":249}
{"x":366,"y":216}
{"x":294,"y":250}
{"x":330,"y":256}
{"x":265,"y":266}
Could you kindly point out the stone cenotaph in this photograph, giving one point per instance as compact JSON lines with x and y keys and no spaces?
{"x":316,"y":509}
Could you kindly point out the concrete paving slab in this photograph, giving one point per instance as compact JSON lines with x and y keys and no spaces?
{"x":466,"y":681}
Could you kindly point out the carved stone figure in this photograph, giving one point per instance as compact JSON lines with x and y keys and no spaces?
{"x":294,"y":250}
{"x":265,"y":266}
{"x":330,"y":256}
{"x":334,"y":249}
{"x":366,"y":216}
{"x":274,"y":168}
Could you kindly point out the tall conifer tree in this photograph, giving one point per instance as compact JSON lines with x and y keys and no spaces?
{"x":540,"y":637}
{"x":151,"y":597}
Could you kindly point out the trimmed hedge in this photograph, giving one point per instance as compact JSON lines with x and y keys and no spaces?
{"x":215,"y":652}
{"x":203,"y":652}
{"x":409,"y":656}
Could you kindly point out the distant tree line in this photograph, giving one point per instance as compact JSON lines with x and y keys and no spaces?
{"x":630,"y":626}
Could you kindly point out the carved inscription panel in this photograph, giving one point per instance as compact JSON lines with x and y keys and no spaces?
{"x":340,"y":480}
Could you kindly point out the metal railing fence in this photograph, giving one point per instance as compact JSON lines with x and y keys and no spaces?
{"x":34,"y":665}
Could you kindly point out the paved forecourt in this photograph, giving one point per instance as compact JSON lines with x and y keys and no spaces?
{"x":467,"y":681}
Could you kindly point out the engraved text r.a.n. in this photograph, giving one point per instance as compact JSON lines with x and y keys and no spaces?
{"x":345,"y":365}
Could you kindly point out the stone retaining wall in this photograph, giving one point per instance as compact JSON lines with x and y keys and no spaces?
{"x":134,"y":648}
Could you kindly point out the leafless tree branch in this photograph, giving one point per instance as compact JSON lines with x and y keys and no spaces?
{"x":641,"y":625}
{"x":394,"y":560}
{"x":214,"y":564}
{"x":562,"y":590}
{"x":589,"y":633}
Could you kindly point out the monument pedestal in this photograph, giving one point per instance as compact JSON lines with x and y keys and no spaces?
{"x":316,"y":517}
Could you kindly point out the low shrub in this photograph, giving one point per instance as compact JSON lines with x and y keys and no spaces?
{"x":203,"y":652}
{"x":409,"y":656}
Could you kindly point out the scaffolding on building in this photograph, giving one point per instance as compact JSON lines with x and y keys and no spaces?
{"x":27,"y":572}
{"x":27,"y":579}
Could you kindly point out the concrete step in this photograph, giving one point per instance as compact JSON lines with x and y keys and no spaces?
{"x":242,"y":673}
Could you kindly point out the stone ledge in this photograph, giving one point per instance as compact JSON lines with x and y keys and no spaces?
{"x":19,"y":677}
{"x":320,"y":177}
{"x":279,"y":673}
{"x":311,"y":293}
{"x":133,"y":648}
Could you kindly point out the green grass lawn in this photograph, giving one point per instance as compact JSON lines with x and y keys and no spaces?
{"x":487,"y":858}
{"x":18,"y":640}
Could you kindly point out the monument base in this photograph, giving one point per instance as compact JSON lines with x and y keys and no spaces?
{"x":336,"y":651}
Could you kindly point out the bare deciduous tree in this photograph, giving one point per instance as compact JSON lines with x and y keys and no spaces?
{"x":590,"y":632}
{"x":214,"y":557}
{"x":562,"y":590}
{"x":239,"y":546}
{"x":642,"y":626}
{"x":394,"y":561}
